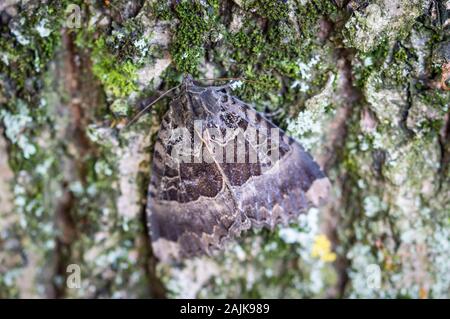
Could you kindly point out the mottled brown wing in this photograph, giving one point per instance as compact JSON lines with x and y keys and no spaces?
{"x":190,"y":210}
{"x":193,"y":208}
{"x":276,"y":193}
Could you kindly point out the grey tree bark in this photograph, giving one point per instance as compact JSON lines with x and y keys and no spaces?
{"x":363,"y":85}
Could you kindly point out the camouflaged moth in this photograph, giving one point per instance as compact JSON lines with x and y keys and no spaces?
{"x":220,"y":168}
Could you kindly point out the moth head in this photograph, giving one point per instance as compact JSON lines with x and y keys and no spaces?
{"x":188,"y":80}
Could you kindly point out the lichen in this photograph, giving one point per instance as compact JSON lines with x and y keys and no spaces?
{"x":392,"y":214}
{"x":309,"y":125}
{"x":380,"y":20}
{"x":15,"y":124}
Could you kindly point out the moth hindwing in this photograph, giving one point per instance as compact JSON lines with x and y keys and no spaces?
{"x":219,"y":168}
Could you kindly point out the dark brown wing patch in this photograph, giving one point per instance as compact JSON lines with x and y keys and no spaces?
{"x":203,"y":179}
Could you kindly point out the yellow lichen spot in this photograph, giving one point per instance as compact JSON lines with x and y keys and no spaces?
{"x":322,"y":249}
{"x":423,"y":293}
{"x":389,"y":264}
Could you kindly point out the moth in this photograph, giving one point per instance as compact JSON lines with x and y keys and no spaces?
{"x":221,"y":168}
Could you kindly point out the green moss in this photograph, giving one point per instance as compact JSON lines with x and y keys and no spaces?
{"x":25,"y":52}
{"x":195,"y":21}
{"x":128,"y":42}
{"x":254,"y":53}
{"x":435,"y":99}
{"x":161,"y":11}
{"x":271,"y":9}
{"x":260,"y":57}
{"x":370,"y":62}
{"x":118,"y":78}
{"x":118,"y":55}
{"x":247,"y":43}
{"x":401,"y":55}
{"x":309,"y":14}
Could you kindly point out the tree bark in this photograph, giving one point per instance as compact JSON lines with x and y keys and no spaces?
{"x":363,"y":85}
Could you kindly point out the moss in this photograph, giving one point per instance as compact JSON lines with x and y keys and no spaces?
{"x":118,"y":78}
{"x":128,"y":42}
{"x":257,"y":56}
{"x":401,"y":55}
{"x":25,"y":51}
{"x":271,"y":9}
{"x":161,"y":11}
{"x":118,"y":55}
{"x":310,"y":12}
{"x":370,"y":62}
{"x":262,"y":57}
{"x":247,"y":42}
{"x":195,"y":21}
{"x":438,"y":100}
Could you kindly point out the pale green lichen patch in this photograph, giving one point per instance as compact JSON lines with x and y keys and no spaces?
{"x":113,"y":246}
{"x":392,"y":211}
{"x":29,"y":43}
{"x":15,"y":124}
{"x":119,"y":107}
{"x":382,"y":19}
{"x":309,"y":125}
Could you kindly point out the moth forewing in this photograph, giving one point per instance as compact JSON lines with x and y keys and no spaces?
{"x":225,"y":169}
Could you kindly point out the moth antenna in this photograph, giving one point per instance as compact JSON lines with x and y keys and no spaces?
{"x":134,"y":119}
{"x":221,"y":79}
{"x":229,"y":79}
